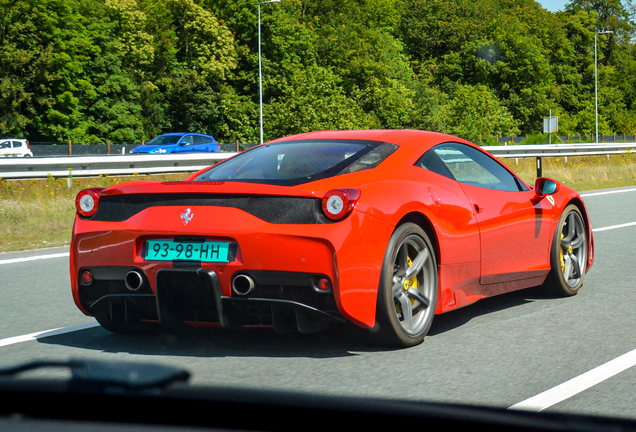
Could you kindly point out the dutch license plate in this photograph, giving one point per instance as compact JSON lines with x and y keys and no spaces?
{"x":170,"y":250}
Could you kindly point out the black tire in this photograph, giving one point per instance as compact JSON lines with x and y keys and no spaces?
{"x":406,"y":307}
{"x":568,"y":255}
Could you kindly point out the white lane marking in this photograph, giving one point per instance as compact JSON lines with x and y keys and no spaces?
{"x":46,"y":333}
{"x":607,"y":192}
{"x":607,"y":228}
{"x":33,"y":258}
{"x":578,"y":384}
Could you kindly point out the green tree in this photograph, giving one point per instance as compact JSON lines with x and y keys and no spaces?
{"x":475,"y":113}
{"x":312,"y":99}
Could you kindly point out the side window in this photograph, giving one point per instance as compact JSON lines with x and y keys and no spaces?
{"x":5,"y":144}
{"x":17,"y":144}
{"x":187,"y":140}
{"x":371,"y":159}
{"x":471,"y":166}
{"x":198,"y":140}
{"x":432,"y":162}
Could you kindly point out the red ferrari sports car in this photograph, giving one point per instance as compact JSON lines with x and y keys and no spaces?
{"x":380,"y":228}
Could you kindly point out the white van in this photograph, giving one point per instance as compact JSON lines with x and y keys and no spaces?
{"x":15,"y":147}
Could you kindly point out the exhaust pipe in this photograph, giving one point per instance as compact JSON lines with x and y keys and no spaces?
{"x":243,"y":284}
{"x":133,"y":280}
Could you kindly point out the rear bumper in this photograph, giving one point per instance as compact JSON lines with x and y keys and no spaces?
{"x":348,"y":253}
{"x":289,"y":302}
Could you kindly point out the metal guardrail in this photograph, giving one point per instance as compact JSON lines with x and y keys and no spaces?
{"x":558,"y":150}
{"x":93,"y":166}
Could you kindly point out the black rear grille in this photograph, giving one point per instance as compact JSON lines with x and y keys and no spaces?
{"x":272,"y":209}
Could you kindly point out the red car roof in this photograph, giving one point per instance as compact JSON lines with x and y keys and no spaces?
{"x":411,"y":140}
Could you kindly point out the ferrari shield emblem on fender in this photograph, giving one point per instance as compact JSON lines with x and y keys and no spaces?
{"x":549,"y":197}
{"x":187,"y":216}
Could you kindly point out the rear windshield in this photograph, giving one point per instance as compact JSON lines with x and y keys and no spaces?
{"x":295,"y":162}
{"x":165,"y":140}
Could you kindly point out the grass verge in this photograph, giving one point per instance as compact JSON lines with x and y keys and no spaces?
{"x":581,"y":173}
{"x":40,"y":213}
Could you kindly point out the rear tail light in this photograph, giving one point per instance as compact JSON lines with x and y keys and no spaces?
{"x":338,"y":203}
{"x":28,"y":147}
{"x":87,"y":201}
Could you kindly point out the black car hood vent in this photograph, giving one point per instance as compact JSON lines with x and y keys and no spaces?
{"x":272,"y":209}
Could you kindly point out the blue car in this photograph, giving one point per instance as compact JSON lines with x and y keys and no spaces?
{"x":179,"y":142}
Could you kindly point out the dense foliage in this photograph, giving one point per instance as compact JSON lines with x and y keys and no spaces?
{"x":126,"y":70}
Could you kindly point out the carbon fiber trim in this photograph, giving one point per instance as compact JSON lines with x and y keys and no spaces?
{"x":272,"y":209}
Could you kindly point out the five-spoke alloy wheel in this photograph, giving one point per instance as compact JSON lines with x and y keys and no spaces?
{"x":569,"y":253}
{"x":408,"y":288}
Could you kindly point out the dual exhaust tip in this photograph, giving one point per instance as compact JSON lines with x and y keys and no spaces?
{"x":241,"y":284}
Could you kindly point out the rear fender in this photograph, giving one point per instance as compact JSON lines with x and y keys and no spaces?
{"x":359,"y":262}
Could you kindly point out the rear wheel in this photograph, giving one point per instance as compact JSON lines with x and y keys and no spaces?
{"x":568,"y":257}
{"x":407,"y":293}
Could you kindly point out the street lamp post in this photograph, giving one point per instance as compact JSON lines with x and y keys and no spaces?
{"x":260,"y":71}
{"x":596,"y":82}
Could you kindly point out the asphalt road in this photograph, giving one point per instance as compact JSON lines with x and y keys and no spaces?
{"x":517,"y":348}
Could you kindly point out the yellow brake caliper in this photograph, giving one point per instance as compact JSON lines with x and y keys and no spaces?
{"x":410,"y":282}
{"x":562,"y":259}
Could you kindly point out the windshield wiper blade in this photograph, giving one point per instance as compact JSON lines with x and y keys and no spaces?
{"x":128,"y":375}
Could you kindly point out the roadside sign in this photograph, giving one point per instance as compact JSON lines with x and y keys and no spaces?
{"x":550,"y":124}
